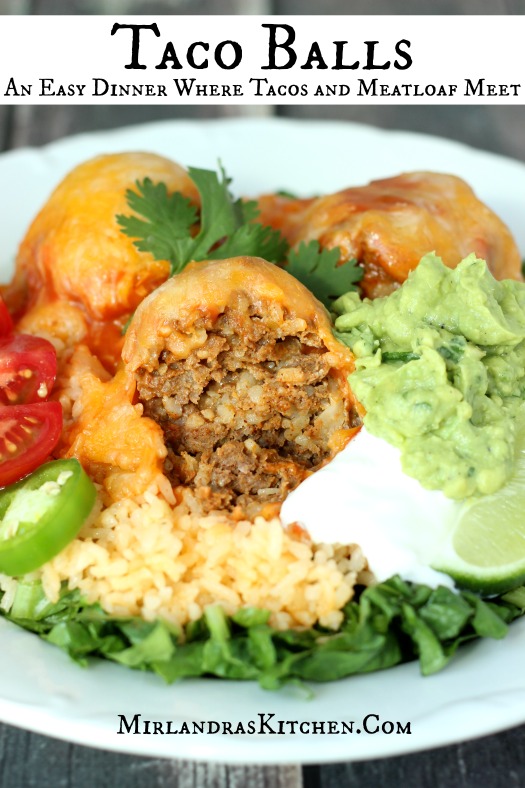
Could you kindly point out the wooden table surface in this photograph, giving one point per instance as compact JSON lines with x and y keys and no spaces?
{"x":28,"y":759}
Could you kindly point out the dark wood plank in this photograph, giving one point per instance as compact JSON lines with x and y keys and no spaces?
{"x":400,"y":7}
{"x":15,"y":6}
{"x":150,"y":8}
{"x":37,"y":124}
{"x":6,"y":115}
{"x":494,"y":762}
{"x":500,"y":129}
{"x":32,"y":761}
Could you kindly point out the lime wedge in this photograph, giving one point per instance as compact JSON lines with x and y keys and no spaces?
{"x":485,"y":549}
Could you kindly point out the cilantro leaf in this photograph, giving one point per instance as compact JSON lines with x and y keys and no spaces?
{"x":319,"y":271}
{"x":253,"y":240}
{"x":249,"y":209}
{"x":229,"y":221}
{"x":288,"y":194}
{"x":164,"y":224}
{"x":166,"y":227}
{"x":220,"y":215}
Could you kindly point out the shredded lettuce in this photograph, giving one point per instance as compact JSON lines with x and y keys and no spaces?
{"x":384,"y":625}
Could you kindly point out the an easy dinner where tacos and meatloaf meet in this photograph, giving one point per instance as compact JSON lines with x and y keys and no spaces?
{"x":199,"y":389}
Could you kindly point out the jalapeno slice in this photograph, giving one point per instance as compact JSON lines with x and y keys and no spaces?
{"x":42,"y":513}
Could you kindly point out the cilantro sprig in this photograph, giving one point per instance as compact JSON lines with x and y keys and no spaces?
{"x":165,"y":224}
{"x":165,"y":229}
{"x":171,"y":227}
{"x":319,"y":270}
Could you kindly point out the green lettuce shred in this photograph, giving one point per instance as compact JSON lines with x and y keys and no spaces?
{"x":385,"y":625}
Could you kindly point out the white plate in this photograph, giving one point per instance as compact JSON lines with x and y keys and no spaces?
{"x":483,"y":689}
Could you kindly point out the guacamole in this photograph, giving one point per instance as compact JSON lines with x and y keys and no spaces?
{"x":440,"y":369}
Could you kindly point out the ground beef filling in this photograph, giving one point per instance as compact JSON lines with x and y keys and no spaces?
{"x":248,"y":414}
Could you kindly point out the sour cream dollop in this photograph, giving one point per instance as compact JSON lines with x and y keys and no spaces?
{"x":363,"y":497}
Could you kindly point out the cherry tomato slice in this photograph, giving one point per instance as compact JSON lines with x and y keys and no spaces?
{"x":28,"y":367}
{"x":6,"y":321}
{"x":28,"y":434}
